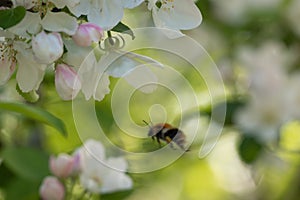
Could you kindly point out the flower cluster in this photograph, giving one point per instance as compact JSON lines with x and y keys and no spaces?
{"x":58,"y":35}
{"x":273,"y":93}
{"x":89,"y":168}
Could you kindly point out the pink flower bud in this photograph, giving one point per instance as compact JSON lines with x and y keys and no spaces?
{"x":62,"y":165}
{"x":7,"y":68}
{"x":87,"y":33}
{"x":76,"y":163}
{"x":52,"y":188}
{"x":67,"y":82}
{"x":47,"y":48}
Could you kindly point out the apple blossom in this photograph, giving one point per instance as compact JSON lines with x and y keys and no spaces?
{"x":175,"y":15}
{"x":67,"y":82}
{"x":62,"y":165}
{"x":104,"y":13}
{"x":47,"y":48}
{"x":52,"y":189}
{"x":116,"y":63}
{"x":266,"y":109}
{"x":100,"y":174}
{"x":87,"y":33}
{"x":33,"y":22}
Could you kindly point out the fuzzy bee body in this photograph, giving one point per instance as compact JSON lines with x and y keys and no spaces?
{"x":167,"y":133}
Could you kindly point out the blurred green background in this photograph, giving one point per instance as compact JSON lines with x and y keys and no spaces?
{"x":237,"y":168}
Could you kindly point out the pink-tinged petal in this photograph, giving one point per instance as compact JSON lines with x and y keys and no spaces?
{"x":62,"y":165}
{"x":87,"y":33}
{"x":67,"y":82}
{"x":52,"y":189}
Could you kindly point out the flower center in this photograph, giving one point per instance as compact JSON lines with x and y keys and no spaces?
{"x":6,"y":50}
{"x":167,"y":5}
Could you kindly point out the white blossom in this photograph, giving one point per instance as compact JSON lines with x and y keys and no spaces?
{"x":266,"y":109}
{"x":100,"y":174}
{"x":175,"y":15}
{"x":47,"y":48}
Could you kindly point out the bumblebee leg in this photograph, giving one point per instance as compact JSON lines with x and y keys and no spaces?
{"x":158,"y":141}
{"x":153,"y":138}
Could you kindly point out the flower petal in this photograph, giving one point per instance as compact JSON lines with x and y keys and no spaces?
{"x":82,"y":8}
{"x":30,"y":73}
{"x":106,"y":13}
{"x":89,"y":75}
{"x":131,"y":3}
{"x":63,"y":3}
{"x":121,"y":63}
{"x":75,"y":54}
{"x":115,"y":181}
{"x":142,"y":78}
{"x":102,"y":87}
{"x":30,"y":23}
{"x":177,"y":15}
{"x":60,"y":22}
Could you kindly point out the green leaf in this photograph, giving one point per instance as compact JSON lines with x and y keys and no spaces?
{"x":11,"y":17}
{"x":29,"y":96}
{"x":22,"y":189}
{"x":6,"y":175}
{"x":122,"y":28}
{"x":116,"y":195}
{"x":36,"y":114}
{"x":249,"y":149}
{"x":28,"y":163}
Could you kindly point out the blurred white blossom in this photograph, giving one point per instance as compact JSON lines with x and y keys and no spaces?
{"x":267,"y":108}
{"x":100,"y":174}
{"x":237,"y":12}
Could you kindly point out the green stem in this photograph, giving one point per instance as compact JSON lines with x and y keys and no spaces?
{"x":111,"y":41}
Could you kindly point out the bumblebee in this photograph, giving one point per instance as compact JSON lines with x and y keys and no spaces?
{"x":167,"y":133}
